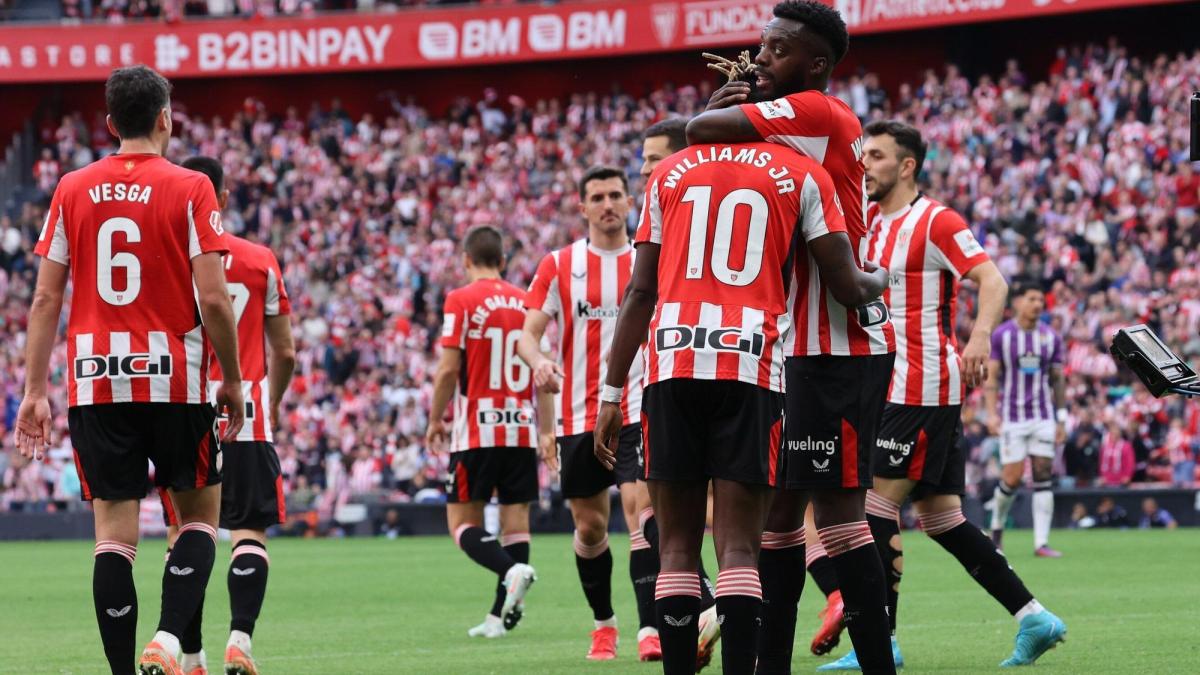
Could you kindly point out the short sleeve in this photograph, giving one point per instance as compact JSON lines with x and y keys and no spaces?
{"x":799,"y":121}
{"x":205,"y":232}
{"x":955,"y":247}
{"x":820,"y":210}
{"x":454,"y":319}
{"x":277,"y":303}
{"x":52,"y":242}
{"x":649,"y":229}
{"x":543,"y":290}
{"x":1056,"y":354}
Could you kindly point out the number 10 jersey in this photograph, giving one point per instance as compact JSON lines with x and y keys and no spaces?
{"x":127,"y":227}
{"x":728,"y":219}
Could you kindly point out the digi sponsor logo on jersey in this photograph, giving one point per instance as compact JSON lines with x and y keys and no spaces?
{"x":129,"y":365}
{"x":810,"y":444}
{"x":584,"y":310}
{"x":507,"y":416}
{"x":702,"y":339}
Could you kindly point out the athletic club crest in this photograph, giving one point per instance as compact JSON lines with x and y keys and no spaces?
{"x":665,"y":17}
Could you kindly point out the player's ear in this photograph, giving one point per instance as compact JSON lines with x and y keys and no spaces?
{"x":223,"y":199}
{"x":112,"y":128}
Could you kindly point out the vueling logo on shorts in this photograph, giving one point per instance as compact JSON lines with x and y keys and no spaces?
{"x":828,"y":447}
{"x":892,"y":445}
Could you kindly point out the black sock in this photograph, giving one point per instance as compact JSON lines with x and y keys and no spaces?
{"x":115,"y":598}
{"x":643,"y":572}
{"x":677,"y":607}
{"x":186,"y":576}
{"x":883,"y":530}
{"x":595,"y":575}
{"x":650,"y":531}
{"x":823,"y":573}
{"x":782,"y":584}
{"x":519,"y":552}
{"x":192,"y":640}
{"x":739,"y":609}
{"x":985,"y":564}
{"x":861,"y":581}
{"x":247,"y":584}
{"x":483,"y":548}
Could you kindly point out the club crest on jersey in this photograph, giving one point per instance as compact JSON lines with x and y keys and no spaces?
{"x":701,"y":338}
{"x":584,"y":310}
{"x":505,"y":416}
{"x":130,"y":365}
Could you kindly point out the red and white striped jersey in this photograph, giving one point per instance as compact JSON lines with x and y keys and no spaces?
{"x":926,"y":249}
{"x":256,"y":288}
{"x":581,"y":287}
{"x":127,"y":227}
{"x":493,"y":406}
{"x":825,"y":129}
{"x":727,"y":218}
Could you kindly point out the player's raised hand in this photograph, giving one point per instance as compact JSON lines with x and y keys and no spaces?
{"x":734,"y":92}
{"x":232,"y":404}
{"x":974,"y":361}
{"x":548,"y":447}
{"x":547,"y":376}
{"x":608,"y":427}
{"x":436,"y":436}
{"x":33,"y":427}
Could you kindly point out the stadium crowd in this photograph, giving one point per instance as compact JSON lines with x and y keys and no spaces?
{"x":118,"y":11}
{"x":1078,"y":179}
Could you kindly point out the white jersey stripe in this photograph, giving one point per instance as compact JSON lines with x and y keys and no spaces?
{"x":704,"y":365}
{"x":752,"y":322}
{"x":579,"y":338}
{"x":122,"y":388}
{"x":930,"y":332}
{"x":84,"y":387}
{"x":160,"y":387}
{"x":271,"y":303}
{"x":193,"y":346}
{"x":487,"y":432}
{"x":668,"y":316}
{"x":193,"y":239}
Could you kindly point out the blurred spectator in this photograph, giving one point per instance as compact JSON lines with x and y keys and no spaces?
{"x":1109,"y":514}
{"x":1153,"y":516}
{"x":1080,"y":520}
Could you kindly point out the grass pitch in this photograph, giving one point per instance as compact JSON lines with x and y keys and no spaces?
{"x":1131,"y":601}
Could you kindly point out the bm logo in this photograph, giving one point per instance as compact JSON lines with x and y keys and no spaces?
{"x":131,"y":365}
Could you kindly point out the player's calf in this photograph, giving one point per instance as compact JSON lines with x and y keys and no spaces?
{"x":779,"y":559}
{"x":115,"y":598}
{"x":861,"y":580}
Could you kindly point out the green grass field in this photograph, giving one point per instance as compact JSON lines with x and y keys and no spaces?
{"x":1131,"y":601}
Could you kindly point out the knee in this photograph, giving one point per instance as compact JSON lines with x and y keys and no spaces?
{"x":590,"y":528}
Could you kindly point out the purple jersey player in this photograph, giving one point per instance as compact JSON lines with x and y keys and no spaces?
{"x":1026,"y":402}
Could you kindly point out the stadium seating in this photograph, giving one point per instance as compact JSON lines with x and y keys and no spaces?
{"x":1076,"y":179}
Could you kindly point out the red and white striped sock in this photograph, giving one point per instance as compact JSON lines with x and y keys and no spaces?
{"x":739,"y":581}
{"x":940,"y":523}
{"x":773,"y":541}
{"x":880,"y":506}
{"x":840,"y":539}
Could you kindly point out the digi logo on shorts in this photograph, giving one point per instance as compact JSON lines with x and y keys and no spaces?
{"x":130,"y":365}
{"x":505,"y":417}
{"x":701,"y":338}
